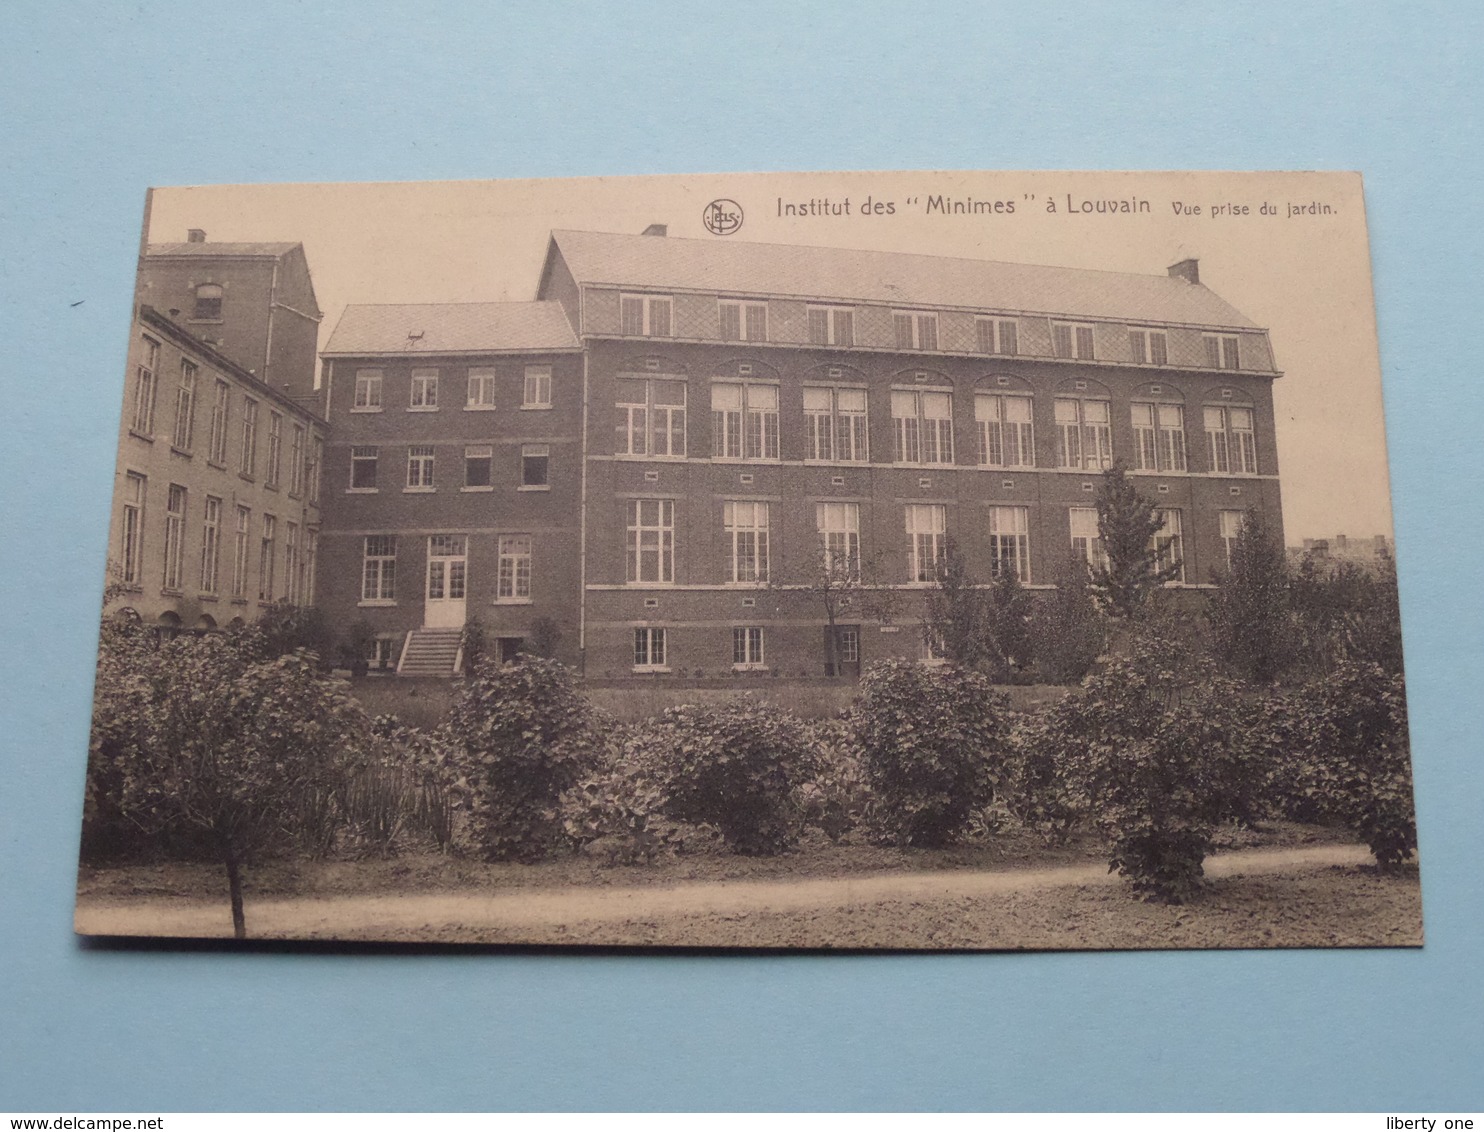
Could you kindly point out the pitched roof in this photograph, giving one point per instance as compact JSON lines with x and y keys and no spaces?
{"x":895,"y":278}
{"x":450,"y":328}
{"x":253,"y":250}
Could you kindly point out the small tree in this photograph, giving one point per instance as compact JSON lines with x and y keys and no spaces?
{"x":1135,"y":567}
{"x":1251,"y":622}
{"x":523,"y":734}
{"x":284,"y":627}
{"x":1067,"y":628}
{"x":933,"y":741}
{"x":226,"y":743}
{"x":956,"y":615}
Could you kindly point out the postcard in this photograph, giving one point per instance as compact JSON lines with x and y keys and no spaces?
{"x":901,"y":560}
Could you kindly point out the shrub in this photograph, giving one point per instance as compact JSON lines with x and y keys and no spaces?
{"x":734,"y":766}
{"x":1151,"y":749}
{"x":617,"y":809}
{"x":1251,"y":624}
{"x":522,"y":734}
{"x":1035,"y":791}
{"x":1067,"y":628}
{"x":933,"y":743}
{"x":1346,"y":756}
{"x":835,"y":796}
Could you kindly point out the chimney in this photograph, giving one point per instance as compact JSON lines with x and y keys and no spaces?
{"x":198,"y":236}
{"x":656,"y":230}
{"x":1340,"y":542}
{"x":1187,"y":269}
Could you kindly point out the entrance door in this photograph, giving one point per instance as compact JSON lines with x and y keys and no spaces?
{"x":448,"y":569}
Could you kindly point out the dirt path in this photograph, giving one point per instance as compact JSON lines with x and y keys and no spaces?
{"x":397,"y":915}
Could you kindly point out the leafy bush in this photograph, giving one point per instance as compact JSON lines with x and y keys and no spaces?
{"x":1153,"y":751}
{"x":1035,"y":791}
{"x":1067,"y":628}
{"x":1339,"y":751}
{"x":933,"y":742}
{"x":618,"y":808}
{"x":522,"y":735}
{"x":734,"y":766}
{"x":835,"y":797}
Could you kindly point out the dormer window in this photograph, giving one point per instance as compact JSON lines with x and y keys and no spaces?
{"x":1072,"y":340}
{"x":208,"y":302}
{"x":1221,"y":351}
{"x":647,"y":316}
{"x":1149,"y":347}
{"x":832,"y":326}
{"x":743,"y":322}
{"x":997,"y":335}
{"x":915,"y":330}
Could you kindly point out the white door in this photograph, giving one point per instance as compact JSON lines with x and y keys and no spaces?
{"x":448,"y":569}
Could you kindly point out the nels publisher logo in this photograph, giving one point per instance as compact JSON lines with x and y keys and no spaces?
{"x":722,"y":217}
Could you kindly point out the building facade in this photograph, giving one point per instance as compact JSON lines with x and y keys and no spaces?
{"x":730,"y":433}
{"x":217,"y":490}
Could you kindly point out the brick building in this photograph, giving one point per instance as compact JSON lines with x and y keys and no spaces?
{"x":721,"y":411}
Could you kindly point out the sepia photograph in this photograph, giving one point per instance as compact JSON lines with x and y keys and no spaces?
{"x":905,"y":560}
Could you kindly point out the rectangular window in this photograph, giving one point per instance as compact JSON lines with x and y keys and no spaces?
{"x":311,"y":565}
{"x":651,"y":540}
{"x":381,"y":654}
{"x":478,"y":459}
{"x":315,"y":462}
{"x":926,"y":526}
{"x":747,"y":647}
{"x":997,"y":335}
{"x":1087,"y":539}
{"x":1009,"y":541}
{"x":649,"y":649}
{"x":208,"y":302}
{"x":275,"y":448}
{"x":1231,"y":530}
{"x":424,"y":389}
{"x":1167,"y":545}
{"x":650,"y":417}
{"x":296,"y":461}
{"x":1006,"y":437}
{"x":839,"y":526}
{"x":185,"y":407}
{"x":211,"y":534}
{"x":1231,"y":443}
{"x":1084,"y":437}
{"x":144,"y":388}
{"x":481,"y":389}
{"x":291,"y":563}
{"x":534,"y":465}
{"x":131,"y":530}
{"x":836,"y":424}
{"x":363,"y":468}
{"x":922,"y":426}
{"x":420,"y":467}
{"x":537,"y":393}
{"x":368,"y":391}
{"x":267,"y":557}
{"x":915,"y":330}
{"x":849,"y":645}
{"x":746,"y":526}
{"x":646,"y":316}
{"x":1159,"y":437}
{"x":744,"y":421}
{"x":248,"y":465}
{"x":175,"y":511}
{"x":219,"y":411}
{"x":1072,"y":340}
{"x":240,"y":551}
{"x":513,"y":581}
{"x":832,"y":326}
{"x":743,"y":322}
{"x":1221,"y":351}
{"x":1149,"y":347}
{"x":379,"y":568}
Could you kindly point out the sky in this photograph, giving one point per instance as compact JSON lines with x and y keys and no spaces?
{"x":1304,"y":275}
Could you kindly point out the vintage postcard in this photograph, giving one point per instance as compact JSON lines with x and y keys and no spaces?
{"x":917,"y":560}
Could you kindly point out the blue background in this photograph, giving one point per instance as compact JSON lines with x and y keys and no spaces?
{"x":100,"y":101}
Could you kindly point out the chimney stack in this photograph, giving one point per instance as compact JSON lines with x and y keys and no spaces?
{"x":656,"y":230}
{"x":198,"y":236}
{"x":1187,"y":269}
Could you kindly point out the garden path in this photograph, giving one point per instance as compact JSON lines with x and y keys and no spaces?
{"x":396,"y":914}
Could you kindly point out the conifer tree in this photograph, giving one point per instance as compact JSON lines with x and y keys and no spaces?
{"x":1128,"y":524}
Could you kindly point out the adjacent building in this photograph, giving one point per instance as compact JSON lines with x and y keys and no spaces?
{"x":665,"y":464}
{"x":216,"y":503}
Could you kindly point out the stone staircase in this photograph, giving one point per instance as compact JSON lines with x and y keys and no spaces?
{"x":430,"y":652}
